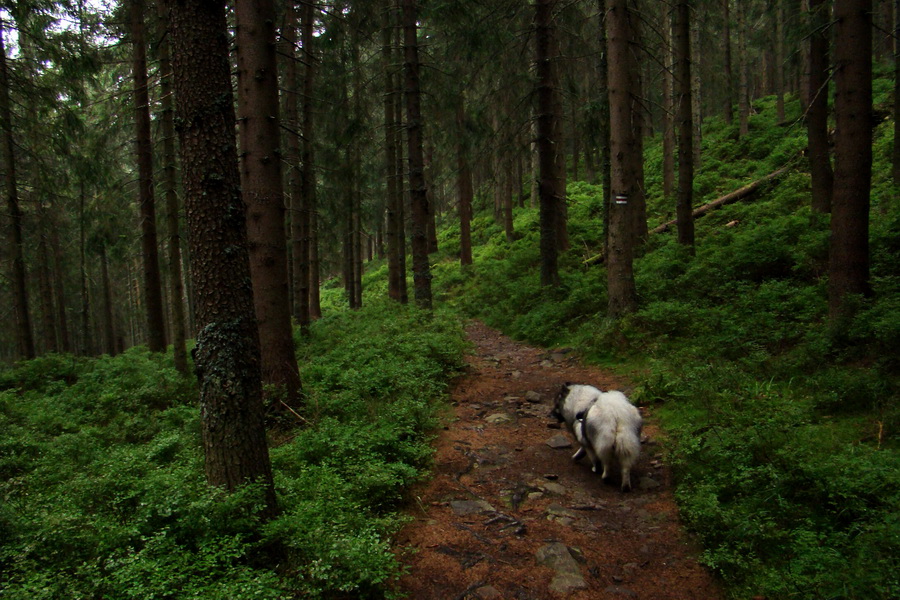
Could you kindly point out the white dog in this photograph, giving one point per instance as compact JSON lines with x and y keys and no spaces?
{"x":610,"y":431}
{"x":572,"y":400}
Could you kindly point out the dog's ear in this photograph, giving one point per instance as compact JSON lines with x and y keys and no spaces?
{"x":580,"y":415}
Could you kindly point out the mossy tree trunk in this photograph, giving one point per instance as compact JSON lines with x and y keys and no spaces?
{"x":817,"y":115}
{"x":227,"y":354}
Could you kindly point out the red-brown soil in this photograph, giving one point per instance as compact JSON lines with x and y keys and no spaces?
{"x":626,"y":545}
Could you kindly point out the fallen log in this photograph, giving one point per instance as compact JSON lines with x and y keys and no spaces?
{"x":739,"y":194}
{"x":731,"y":198}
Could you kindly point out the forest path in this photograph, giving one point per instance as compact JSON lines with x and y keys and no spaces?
{"x":507,"y":516}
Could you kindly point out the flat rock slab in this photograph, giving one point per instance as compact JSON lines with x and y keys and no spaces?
{"x":499,"y":418}
{"x":469,"y":507}
{"x":533,"y":397}
{"x":559,"y":441}
{"x":568,"y":574}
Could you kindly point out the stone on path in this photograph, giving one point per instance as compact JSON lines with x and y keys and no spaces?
{"x":469,"y":507}
{"x":533,"y":397}
{"x":647,"y":483}
{"x":568,"y":574}
{"x":499,"y":418}
{"x":488,"y":592}
{"x":559,"y":441}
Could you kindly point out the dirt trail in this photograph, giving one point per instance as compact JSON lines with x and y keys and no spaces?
{"x":506,"y":516}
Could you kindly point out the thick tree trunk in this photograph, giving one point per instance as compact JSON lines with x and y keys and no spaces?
{"x":848,"y":260}
{"x":417,"y":190}
{"x":685,"y":124}
{"x":817,"y":115}
{"x":622,"y":70}
{"x":23,"y":332}
{"x":261,"y":184}
{"x":156,"y":337}
{"x":227,"y":354}
{"x":402,"y":193}
{"x":547,"y":142}
{"x":696,"y":100}
{"x":48,"y":315}
{"x":167,"y":117}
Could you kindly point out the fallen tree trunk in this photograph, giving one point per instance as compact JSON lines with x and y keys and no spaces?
{"x":731,"y":198}
{"x":739,"y":194}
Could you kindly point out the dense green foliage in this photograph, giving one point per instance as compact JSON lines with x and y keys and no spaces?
{"x":784,"y":432}
{"x":103,"y":493}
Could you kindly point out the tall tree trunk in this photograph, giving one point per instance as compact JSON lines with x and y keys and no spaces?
{"x":685,"y":124}
{"x":696,"y":103}
{"x":402,"y":192}
{"x":393,"y":185}
{"x":604,"y":118}
{"x":848,"y":260}
{"x":463,"y":185}
{"x":109,"y":329}
{"x":548,"y":144}
{"x":668,"y":123}
{"x":167,"y":114}
{"x":506,"y":195}
{"x":86,"y":348}
{"x":640,"y":115}
{"x":48,"y":315}
{"x":62,"y":320}
{"x":227,"y":354}
{"x":620,"y":273}
{"x":308,"y":169}
{"x":417,"y":190}
{"x":779,"y":60}
{"x":729,"y":76}
{"x":743,"y":85}
{"x":156,"y":336}
{"x":895,"y":162}
{"x":261,"y":184}
{"x":24,"y":336}
{"x":817,"y":115}
{"x":299,"y":216}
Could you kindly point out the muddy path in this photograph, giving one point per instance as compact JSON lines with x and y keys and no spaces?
{"x":508,"y":516}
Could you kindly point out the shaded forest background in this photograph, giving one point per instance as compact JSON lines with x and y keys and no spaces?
{"x":781,"y":409}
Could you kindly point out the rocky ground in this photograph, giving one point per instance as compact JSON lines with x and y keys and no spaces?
{"x":509,"y":515}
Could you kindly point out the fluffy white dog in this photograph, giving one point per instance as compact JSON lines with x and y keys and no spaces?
{"x":609,"y":430}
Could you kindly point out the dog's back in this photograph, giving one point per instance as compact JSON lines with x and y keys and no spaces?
{"x":610,"y":431}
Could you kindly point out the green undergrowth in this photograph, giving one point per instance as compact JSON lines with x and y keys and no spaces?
{"x":102,"y":492}
{"x":783,"y":431}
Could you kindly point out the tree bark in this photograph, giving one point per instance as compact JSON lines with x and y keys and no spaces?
{"x":547,"y":142}
{"x":299,"y":216}
{"x":227,"y":353}
{"x":393,"y":184}
{"x":109,"y":328}
{"x":685,"y":125}
{"x":156,"y":337}
{"x":668,"y":109}
{"x":24,"y":335}
{"x":817,"y":115}
{"x":604,"y":118}
{"x":729,"y":76}
{"x":167,"y":117}
{"x":620,"y":273}
{"x":895,"y":162}
{"x":62,"y":320}
{"x":743,"y":85}
{"x":848,"y":266}
{"x":463,"y":186}
{"x":417,"y":190}
{"x":779,"y":60}
{"x":261,"y":184}
{"x":308,"y":186}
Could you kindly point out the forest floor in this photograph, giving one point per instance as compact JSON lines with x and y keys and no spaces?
{"x":507,"y":515}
